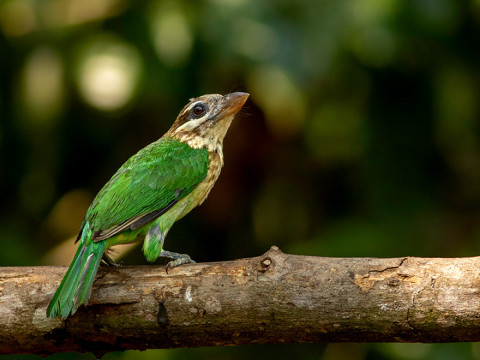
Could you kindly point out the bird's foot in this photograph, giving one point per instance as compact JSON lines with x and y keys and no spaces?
{"x":110,"y":262}
{"x":175,"y":259}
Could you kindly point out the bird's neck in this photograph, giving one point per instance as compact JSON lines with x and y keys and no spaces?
{"x":214,"y":146}
{"x":207,"y":137}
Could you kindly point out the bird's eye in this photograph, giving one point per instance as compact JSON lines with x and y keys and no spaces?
{"x":198,"y":110}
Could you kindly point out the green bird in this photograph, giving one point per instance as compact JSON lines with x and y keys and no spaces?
{"x":155,"y":187}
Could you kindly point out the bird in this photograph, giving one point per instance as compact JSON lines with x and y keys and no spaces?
{"x":151,"y":191}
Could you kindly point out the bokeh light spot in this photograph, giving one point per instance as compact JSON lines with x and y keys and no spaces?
{"x":42,"y":90}
{"x":17,"y":17}
{"x":280,"y":98}
{"x":374,"y":46}
{"x":172,"y":37}
{"x":108,"y":74}
{"x":60,"y":13}
{"x":254,"y":39}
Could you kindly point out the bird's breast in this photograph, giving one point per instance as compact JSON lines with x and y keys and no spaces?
{"x":200,"y":193}
{"x":215,"y":166}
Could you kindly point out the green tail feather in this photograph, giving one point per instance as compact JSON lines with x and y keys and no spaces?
{"x":76,"y":285}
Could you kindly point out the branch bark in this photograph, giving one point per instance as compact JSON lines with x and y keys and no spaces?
{"x":273,"y":298}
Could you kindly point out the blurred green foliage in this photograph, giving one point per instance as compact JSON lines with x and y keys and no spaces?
{"x":361,"y":136}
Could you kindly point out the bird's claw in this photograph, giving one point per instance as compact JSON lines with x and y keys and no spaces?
{"x":110,"y":262}
{"x":176,"y":259}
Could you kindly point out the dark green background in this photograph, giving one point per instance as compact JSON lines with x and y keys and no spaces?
{"x":361,"y":136}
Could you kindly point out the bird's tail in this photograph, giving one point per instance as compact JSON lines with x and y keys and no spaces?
{"x":76,"y":285}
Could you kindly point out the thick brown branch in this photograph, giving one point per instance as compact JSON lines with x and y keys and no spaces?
{"x":272,"y":298}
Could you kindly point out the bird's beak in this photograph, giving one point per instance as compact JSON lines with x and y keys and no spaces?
{"x":232,"y":103}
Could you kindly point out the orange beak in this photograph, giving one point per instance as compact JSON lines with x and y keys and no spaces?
{"x":233,"y":103}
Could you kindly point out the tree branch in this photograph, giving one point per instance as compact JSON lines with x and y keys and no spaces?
{"x":273,"y":298}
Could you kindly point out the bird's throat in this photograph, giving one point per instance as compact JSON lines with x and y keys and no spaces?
{"x":209,"y":137}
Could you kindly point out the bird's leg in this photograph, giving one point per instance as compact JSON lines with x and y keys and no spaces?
{"x":175,"y":259}
{"x":109,"y":261}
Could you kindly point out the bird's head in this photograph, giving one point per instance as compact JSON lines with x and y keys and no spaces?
{"x":204,"y":121}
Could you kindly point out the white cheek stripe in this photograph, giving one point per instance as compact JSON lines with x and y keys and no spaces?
{"x":188,"y":108}
{"x":192,"y":124}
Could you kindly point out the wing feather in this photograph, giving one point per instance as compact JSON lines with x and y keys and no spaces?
{"x":146,"y":186}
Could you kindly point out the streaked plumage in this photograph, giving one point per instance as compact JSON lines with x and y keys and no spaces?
{"x":153,"y":189}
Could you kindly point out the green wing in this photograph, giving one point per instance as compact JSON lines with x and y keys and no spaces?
{"x":146,"y":186}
